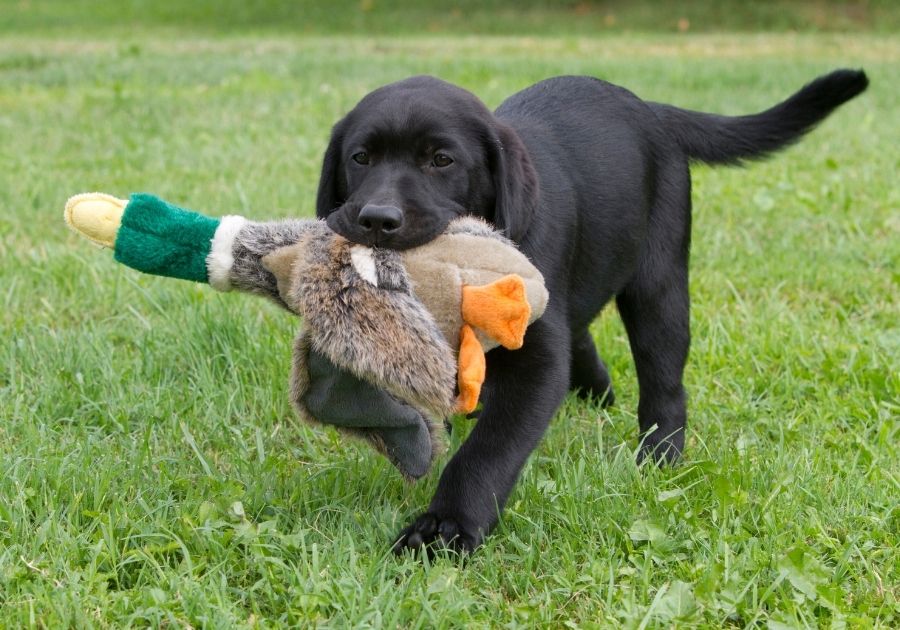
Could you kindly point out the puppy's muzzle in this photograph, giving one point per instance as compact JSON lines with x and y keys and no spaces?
{"x":378,"y":221}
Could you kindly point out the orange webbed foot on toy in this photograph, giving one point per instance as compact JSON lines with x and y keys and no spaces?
{"x":472,"y":368}
{"x":500,"y":309}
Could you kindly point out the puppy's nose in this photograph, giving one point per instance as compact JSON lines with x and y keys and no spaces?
{"x":385,"y":219}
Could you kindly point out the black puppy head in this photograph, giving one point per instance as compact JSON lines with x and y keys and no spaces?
{"x":414,"y":155}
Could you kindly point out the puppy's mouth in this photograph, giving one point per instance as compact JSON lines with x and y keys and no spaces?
{"x":407,"y":236}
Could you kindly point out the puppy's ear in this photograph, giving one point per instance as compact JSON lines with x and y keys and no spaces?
{"x":332,"y":185}
{"x":515,"y":183}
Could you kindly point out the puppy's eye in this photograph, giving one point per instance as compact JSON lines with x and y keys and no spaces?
{"x":441,"y":160}
{"x":361,"y":158}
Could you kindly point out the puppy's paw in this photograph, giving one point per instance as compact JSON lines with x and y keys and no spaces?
{"x":602,"y":394}
{"x":430,"y":532}
{"x":663,"y":450}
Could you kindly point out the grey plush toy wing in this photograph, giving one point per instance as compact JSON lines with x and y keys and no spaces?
{"x":323,"y":390}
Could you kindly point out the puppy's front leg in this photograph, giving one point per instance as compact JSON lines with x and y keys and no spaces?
{"x":523,"y":391}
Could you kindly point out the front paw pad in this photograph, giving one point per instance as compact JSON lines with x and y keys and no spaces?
{"x":430,"y":532}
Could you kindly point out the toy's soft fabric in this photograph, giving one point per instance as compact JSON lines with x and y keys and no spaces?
{"x":392,"y":342}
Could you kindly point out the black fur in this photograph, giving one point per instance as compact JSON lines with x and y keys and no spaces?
{"x":593,"y":184}
{"x":730,"y":140}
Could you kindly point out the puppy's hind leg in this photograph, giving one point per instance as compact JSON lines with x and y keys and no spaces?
{"x":655,"y":307}
{"x":588,"y":375}
{"x":657,"y":328}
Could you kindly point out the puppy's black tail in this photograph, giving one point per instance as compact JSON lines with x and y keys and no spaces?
{"x":732,"y":139}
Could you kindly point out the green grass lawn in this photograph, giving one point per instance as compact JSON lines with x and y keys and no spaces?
{"x":152,"y":472}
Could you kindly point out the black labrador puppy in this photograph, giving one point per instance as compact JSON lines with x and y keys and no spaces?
{"x":594,"y":185}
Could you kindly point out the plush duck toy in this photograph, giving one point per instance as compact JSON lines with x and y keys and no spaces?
{"x":392,"y":343}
